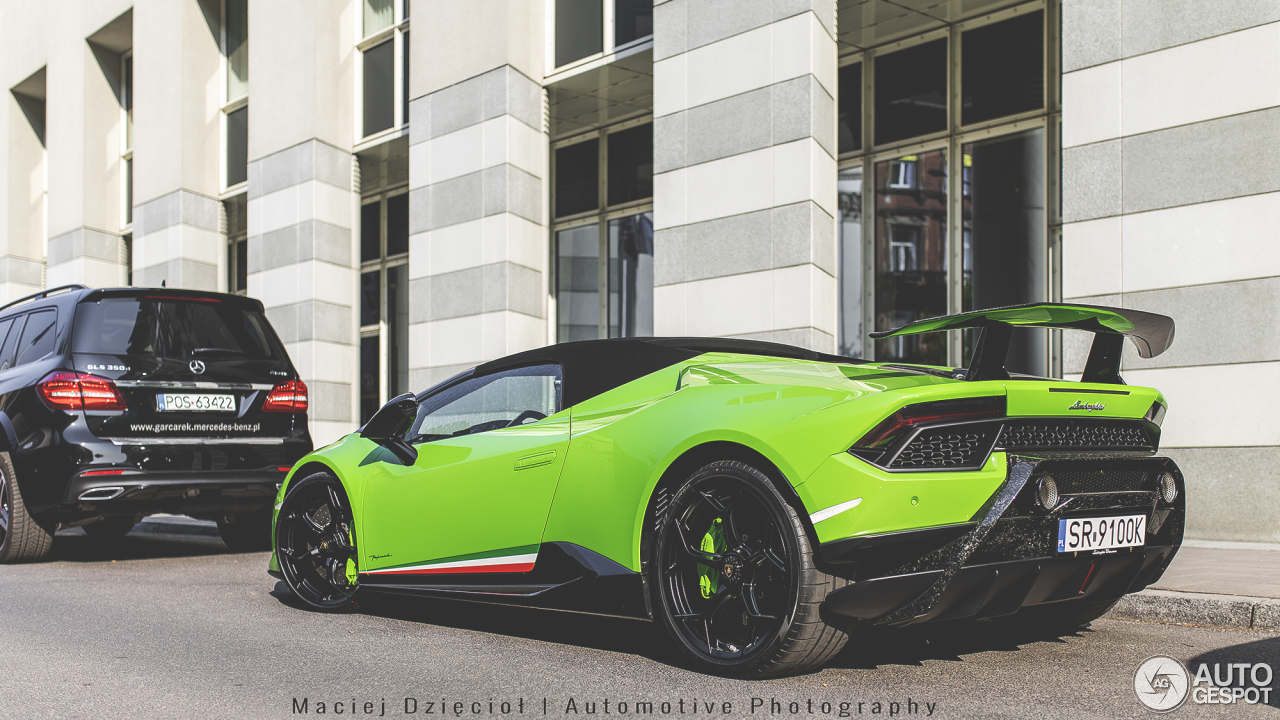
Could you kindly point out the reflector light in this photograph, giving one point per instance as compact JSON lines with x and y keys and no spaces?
{"x":79,"y":391}
{"x":89,"y":473}
{"x":290,"y":397}
{"x":284,"y":469}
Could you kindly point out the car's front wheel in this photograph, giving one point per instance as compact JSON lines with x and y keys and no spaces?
{"x":315,"y":543}
{"x":733,"y":578}
{"x":22,"y":537}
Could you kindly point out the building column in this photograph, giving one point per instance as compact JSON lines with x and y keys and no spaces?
{"x":477,"y":199}
{"x":177,"y":146}
{"x":745,"y":171}
{"x":302,"y":253}
{"x":22,"y":258}
{"x":86,"y":207}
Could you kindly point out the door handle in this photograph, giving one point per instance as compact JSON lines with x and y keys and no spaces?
{"x":535,"y":460}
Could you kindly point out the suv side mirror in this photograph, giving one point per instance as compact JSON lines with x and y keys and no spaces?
{"x":388,"y":424}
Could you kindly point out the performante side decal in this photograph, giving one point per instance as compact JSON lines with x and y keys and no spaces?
{"x":509,"y":560}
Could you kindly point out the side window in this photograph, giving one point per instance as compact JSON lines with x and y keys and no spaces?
{"x":5,"y":326}
{"x":11,"y":342}
{"x":505,"y":399}
{"x":37,"y":337}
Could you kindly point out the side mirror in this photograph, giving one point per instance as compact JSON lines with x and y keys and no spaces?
{"x":386,"y":426}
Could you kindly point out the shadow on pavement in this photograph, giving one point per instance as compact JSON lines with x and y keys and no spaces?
{"x":77,"y":547}
{"x":873,"y":647}
{"x":1259,"y":651}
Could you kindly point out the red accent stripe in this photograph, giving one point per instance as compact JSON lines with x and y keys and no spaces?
{"x":510,"y":568}
{"x":1086,"y":578}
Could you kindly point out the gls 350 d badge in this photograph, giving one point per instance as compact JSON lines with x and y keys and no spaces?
{"x":1088,"y":406}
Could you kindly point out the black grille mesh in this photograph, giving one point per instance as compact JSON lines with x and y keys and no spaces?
{"x":1075,"y":434}
{"x":953,"y":447}
{"x":1077,"y":482}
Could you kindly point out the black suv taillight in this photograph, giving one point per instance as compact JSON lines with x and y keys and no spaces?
{"x":287,"y":397}
{"x":79,"y":391}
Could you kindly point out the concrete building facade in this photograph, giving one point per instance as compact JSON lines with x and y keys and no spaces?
{"x":414,"y":189}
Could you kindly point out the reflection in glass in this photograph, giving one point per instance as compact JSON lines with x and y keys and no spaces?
{"x":397,"y":224}
{"x":849,"y":229}
{"x":577,"y":176}
{"x":237,"y":49}
{"x":631,"y":164}
{"x":1004,"y":243}
{"x":397,"y":330}
{"x":631,"y":276}
{"x":911,"y":254}
{"x":128,"y":191}
{"x":370,"y":232}
{"x":579,"y":29}
{"x":1002,"y":68}
{"x":578,"y":284}
{"x":632,"y":20}
{"x":370,"y":377}
{"x":378,"y":15}
{"x":404,"y":78}
{"x":379,"y":87}
{"x":237,"y":146}
{"x":370,"y":312}
{"x":128,"y":102}
{"x":850,"y":130}
{"x":911,"y":92}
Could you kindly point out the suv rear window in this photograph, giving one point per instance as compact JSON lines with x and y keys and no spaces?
{"x":173,"y":328}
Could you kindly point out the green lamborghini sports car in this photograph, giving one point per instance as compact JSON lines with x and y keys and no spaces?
{"x":756,"y":500}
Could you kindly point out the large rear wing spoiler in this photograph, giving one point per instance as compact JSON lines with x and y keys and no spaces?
{"x":1151,"y":334}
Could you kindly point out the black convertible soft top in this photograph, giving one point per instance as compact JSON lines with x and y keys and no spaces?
{"x":592,"y":367}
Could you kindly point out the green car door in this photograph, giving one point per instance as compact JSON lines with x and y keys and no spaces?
{"x":490,"y":450}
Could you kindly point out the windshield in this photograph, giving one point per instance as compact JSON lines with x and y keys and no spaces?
{"x":173,"y":328}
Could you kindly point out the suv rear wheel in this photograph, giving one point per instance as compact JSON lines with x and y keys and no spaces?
{"x":22,"y":537}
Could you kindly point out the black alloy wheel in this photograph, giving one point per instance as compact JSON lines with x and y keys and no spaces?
{"x":733,"y":577}
{"x":315,"y":543}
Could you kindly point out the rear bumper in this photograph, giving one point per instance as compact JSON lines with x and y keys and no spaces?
{"x":199,"y":494}
{"x":1006,"y":558}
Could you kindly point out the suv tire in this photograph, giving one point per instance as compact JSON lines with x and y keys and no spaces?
{"x":25,"y":539}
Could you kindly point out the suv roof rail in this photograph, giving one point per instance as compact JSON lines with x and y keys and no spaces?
{"x":44,"y":294}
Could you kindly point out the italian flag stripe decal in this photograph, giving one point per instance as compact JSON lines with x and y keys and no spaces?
{"x":510,"y":560}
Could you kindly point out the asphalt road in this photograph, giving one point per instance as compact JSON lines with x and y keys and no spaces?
{"x":155,"y":627}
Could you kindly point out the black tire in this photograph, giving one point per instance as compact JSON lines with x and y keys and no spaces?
{"x":760,"y":568}
{"x":112,"y":527}
{"x":315,"y":544}
{"x":23,"y":538}
{"x":247,"y":532}
{"x":1056,"y":618}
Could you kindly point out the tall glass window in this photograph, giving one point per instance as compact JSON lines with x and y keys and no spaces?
{"x":947,"y":137}
{"x":126,"y":151}
{"x":236,"y":208}
{"x":384,"y":66}
{"x":235,"y":108}
{"x":603,"y":203}
{"x":384,"y":300}
{"x":586,"y":29}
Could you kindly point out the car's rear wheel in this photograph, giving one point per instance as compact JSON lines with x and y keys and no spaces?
{"x":733,"y":577}
{"x":112,"y":527}
{"x":315,"y":543}
{"x":22,"y":537}
{"x":247,"y":531}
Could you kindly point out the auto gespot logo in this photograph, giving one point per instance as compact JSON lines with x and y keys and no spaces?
{"x":1163,"y":683}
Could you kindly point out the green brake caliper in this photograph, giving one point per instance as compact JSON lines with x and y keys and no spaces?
{"x":712,"y":542}
{"x":353,"y":573}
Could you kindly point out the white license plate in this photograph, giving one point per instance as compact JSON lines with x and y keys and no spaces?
{"x":1101,"y":533}
{"x":195,"y":402}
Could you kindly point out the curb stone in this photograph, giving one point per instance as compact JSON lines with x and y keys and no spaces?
{"x":1234,"y":612}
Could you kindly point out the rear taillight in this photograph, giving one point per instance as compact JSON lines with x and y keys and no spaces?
{"x":79,"y":391}
{"x":290,"y":397}
{"x":943,"y":411}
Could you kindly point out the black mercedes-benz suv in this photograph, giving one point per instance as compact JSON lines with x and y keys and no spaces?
{"x":121,"y":403}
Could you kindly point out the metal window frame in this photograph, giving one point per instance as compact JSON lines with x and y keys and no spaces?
{"x":228,"y":106}
{"x":395,"y":32}
{"x":380,"y":265}
{"x":610,"y":50}
{"x":952,"y":140}
{"x":599,"y":217}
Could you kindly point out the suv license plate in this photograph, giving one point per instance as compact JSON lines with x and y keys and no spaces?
{"x":195,"y":402}
{"x":1101,"y":533}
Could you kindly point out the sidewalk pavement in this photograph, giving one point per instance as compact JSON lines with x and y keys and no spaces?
{"x":1213,"y":584}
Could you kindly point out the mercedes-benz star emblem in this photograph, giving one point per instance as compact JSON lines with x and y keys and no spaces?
{"x":197,"y":366}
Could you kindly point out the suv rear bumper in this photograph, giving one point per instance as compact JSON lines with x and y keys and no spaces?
{"x":198,"y":494}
